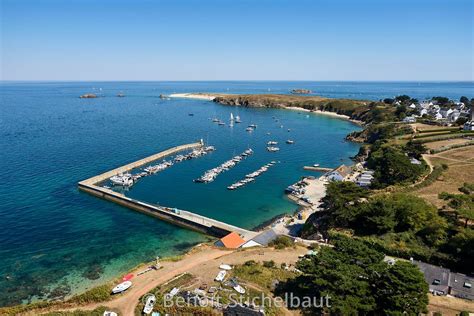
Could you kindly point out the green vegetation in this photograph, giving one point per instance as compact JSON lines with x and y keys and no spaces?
{"x":399,"y":224}
{"x":263,"y":275}
{"x":380,"y":133}
{"x":365,"y":111}
{"x":282,"y":242}
{"x":95,"y":295}
{"x":18,"y":309}
{"x":96,"y":312}
{"x":346,"y":206}
{"x":358,"y":282}
{"x":100,"y":293}
{"x":393,"y":166}
{"x":463,"y":204}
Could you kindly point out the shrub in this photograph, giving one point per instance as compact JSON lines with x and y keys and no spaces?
{"x":282,"y":242}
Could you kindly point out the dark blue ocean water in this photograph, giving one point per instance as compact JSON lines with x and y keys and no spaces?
{"x":54,"y":239}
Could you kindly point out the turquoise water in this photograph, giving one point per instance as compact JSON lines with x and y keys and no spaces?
{"x":55,"y":240}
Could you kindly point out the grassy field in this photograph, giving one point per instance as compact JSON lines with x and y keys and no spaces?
{"x":437,"y":145}
{"x":460,"y":169}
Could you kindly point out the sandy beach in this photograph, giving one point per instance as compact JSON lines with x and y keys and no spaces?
{"x":332,"y":114}
{"x":197,"y":96}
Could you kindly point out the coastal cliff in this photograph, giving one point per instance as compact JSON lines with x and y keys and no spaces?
{"x":359,"y":110}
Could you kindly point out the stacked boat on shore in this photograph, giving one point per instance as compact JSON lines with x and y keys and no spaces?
{"x":128,"y":179}
{"x":249,"y":178}
{"x":211,"y":175}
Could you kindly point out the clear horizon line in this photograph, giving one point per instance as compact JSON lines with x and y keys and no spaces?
{"x":240,"y":80}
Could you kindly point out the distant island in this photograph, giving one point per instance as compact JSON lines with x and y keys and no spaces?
{"x":301,"y":91}
{"x":88,"y":96}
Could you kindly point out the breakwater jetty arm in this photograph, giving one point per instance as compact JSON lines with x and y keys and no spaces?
{"x":175,"y":216}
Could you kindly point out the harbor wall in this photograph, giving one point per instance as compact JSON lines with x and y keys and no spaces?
{"x":154,"y":211}
{"x":139,"y":163}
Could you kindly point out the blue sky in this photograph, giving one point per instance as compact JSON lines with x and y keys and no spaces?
{"x":237,"y":40}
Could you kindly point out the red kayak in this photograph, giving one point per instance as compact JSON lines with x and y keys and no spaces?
{"x":127,"y":277}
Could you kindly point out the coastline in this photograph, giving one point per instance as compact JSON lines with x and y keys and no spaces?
{"x":213,"y":96}
{"x":327,"y":113}
{"x":290,"y":225}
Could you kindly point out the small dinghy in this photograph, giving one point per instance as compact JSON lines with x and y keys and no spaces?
{"x":122,"y":287}
{"x":225,"y":267}
{"x":220,"y":276}
{"x":239,"y":289}
{"x":127,"y":277}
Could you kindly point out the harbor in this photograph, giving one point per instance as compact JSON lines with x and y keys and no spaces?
{"x":172,"y":215}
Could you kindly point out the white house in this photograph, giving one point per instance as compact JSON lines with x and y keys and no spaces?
{"x":445,"y":112}
{"x":453,"y":116}
{"x":338,"y":174}
{"x":469,"y":126}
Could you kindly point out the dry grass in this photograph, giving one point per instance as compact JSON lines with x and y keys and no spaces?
{"x":448,"y":142}
{"x":461,"y":169}
{"x":449,"y":306}
{"x":426,"y":127}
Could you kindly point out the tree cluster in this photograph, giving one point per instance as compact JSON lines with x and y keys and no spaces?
{"x":392,"y":166}
{"x":358,"y":282}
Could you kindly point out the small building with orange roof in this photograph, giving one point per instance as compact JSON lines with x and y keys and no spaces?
{"x":232,"y":240}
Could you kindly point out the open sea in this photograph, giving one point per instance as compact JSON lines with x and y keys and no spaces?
{"x":57,"y":241}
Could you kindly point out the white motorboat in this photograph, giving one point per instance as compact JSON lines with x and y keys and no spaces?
{"x":239,"y":289}
{"x":122,"y":287}
{"x":272,"y":149}
{"x":173,"y":292}
{"x":253,"y":125}
{"x":237,"y":119}
{"x":272,"y":142}
{"x":225,"y":267}
{"x":149,"y":304}
{"x":249,"y":129}
{"x":289,"y":141}
{"x":215,"y":120}
{"x":220,"y":276}
{"x":122,"y":180}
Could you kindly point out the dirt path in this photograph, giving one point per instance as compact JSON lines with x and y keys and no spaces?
{"x":126,"y":303}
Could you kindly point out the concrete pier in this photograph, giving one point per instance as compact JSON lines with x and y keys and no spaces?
{"x":317,"y":168}
{"x":175,"y":216}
